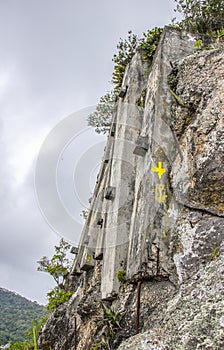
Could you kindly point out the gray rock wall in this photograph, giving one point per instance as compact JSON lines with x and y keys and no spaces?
{"x":157,"y":212}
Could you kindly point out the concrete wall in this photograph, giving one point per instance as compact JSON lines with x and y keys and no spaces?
{"x":136,"y":222}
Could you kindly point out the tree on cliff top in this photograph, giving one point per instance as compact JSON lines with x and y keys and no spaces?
{"x":101,"y":118}
{"x":126,"y":50}
{"x":202,"y":16}
{"x":58,"y":266}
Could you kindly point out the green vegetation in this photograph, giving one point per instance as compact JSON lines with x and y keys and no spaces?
{"x":101,"y":118}
{"x":31,"y":338}
{"x":84,"y":213}
{"x":128,"y":47}
{"x":109,"y":320}
{"x":215,"y":252}
{"x":177,"y":98}
{"x":17,"y":314}
{"x":111,"y":317}
{"x":19,"y":327}
{"x":140,"y":103}
{"x":26,"y":345}
{"x":89,"y":257}
{"x":58,"y":267}
{"x":199,"y":44}
{"x":148,"y":44}
{"x":166,"y":232}
{"x":126,"y":50}
{"x":220,"y":35}
{"x":97,"y":346}
{"x":56,"y":297}
{"x":35,"y":338}
{"x":121,"y":275}
{"x":201,"y":16}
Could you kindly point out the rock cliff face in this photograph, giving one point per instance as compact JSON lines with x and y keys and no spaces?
{"x":151,"y":254}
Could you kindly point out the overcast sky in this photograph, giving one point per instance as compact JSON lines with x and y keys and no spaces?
{"x":55,"y":60}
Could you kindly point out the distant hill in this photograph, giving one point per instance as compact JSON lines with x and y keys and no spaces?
{"x":16,"y":316}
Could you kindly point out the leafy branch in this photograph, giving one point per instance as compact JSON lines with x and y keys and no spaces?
{"x":201,"y":16}
{"x":58,"y":267}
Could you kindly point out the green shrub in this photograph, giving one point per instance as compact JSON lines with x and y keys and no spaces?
{"x":109,"y":321}
{"x":111,"y":317}
{"x":21,"y":346}
{"x":202,"y":16}
{"x":31,"y":342}
{"x":57,"y":297}
{"x":148,"y":44}
{"x":220,"y":35}
{"x":126,"y":50}
{"x":199,"y":44}
{"x":215,"y":252}
{"x":59,"y":265}
{"x":121,"y":275}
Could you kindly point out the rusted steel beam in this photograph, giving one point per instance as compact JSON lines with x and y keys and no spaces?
{"x":138,"y":304}
{"x":75,"y":333}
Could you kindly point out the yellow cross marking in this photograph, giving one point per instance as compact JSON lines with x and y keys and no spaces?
{"x":160,"y":170}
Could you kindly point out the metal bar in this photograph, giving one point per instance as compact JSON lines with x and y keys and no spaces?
{"x":138,"y":304}
{"x":157,"y":262}
{"x":75,"y":334}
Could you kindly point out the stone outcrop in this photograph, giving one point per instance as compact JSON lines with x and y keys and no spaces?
{"x":156,"y":216}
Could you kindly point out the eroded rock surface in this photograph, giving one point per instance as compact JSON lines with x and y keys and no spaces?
{"x":193,"y":319}
{"x":164,"y":225}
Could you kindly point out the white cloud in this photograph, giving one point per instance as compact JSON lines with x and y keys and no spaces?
{"x":6,"y":79}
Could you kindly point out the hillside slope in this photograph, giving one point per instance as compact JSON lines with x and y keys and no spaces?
{"x":16,"y":316}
